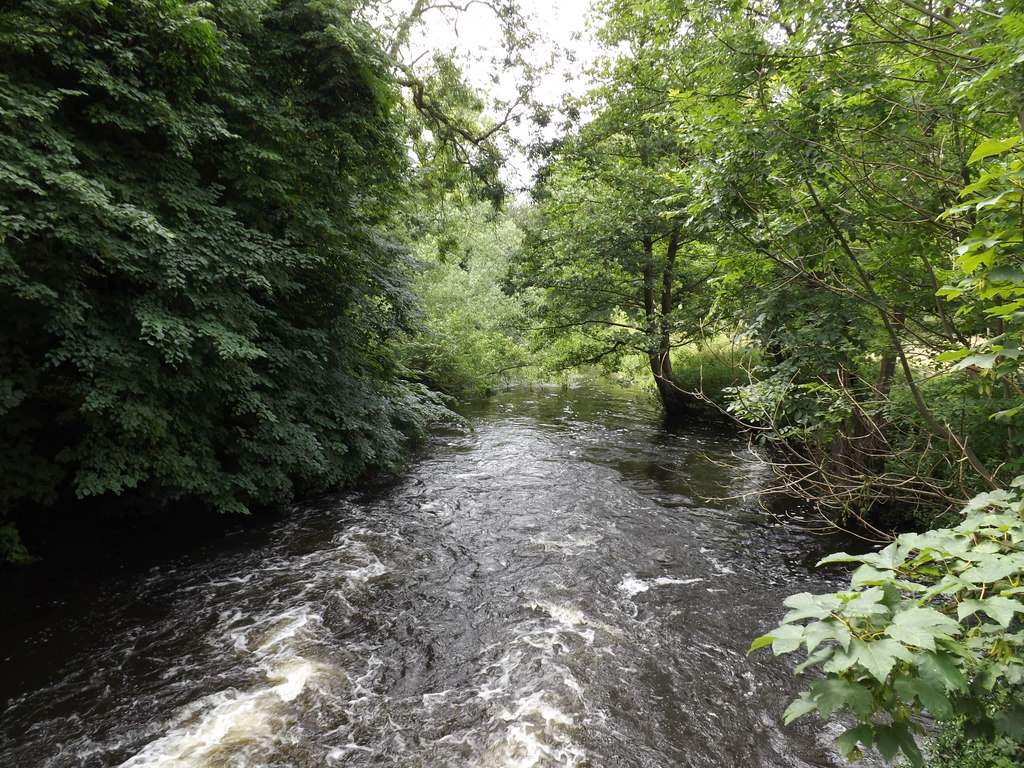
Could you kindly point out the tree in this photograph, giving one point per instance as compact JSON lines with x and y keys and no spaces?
{"x":199,"y":297}
{"x":470,"y":343}
{"x":932,"y":622}
{"x":606,"y":262}
{"x":824,"y":144}
{"x":459,"y":130}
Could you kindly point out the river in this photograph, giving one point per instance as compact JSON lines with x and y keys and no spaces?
{"x":566,"y":583}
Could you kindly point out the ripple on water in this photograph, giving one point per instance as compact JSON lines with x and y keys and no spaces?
{"x":542,"y":592}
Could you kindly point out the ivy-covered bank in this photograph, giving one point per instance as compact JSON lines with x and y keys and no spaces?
{"x":199,"y":292}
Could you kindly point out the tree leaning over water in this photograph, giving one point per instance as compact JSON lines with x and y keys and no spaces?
{"x":828,"y":140}
{"x":199,"y":292}
{"x":780,"y":173}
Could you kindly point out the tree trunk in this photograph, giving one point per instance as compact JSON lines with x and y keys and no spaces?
{"x":658,"y":310}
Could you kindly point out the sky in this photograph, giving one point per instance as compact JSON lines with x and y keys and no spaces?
{"x":475,"y":34}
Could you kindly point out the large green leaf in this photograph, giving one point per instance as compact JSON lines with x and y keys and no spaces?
{"x":992,"y":147}
{"x":807,"y":606}
{"x":931,"y":698}
{"x":786,"y":638}
{"x":919,"y":627}
{"x":1000,"y":609}
{"x":818,"y":632}
{"x":879,"y":656}
{"x":940,"y":669}
{"x":836,"y":694}
{"x":1011,"y":723}
{"x":892,"y":739}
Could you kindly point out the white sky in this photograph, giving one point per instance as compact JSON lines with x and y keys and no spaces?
{"x":474,"y":34}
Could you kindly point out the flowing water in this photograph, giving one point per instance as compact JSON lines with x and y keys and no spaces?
{"x":560,"y":585}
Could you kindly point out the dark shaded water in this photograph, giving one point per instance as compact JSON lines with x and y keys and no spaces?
{"x":553,"y":588}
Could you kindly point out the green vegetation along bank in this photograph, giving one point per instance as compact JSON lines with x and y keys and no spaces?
{"x":200,"y":294}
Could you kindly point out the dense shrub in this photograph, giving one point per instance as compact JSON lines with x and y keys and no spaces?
{"x":198,"y":295}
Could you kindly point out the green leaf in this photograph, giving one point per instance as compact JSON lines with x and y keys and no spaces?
{"x":992,"y":147}
{"x":829,"y":629}
{"x":940,"y":670}
{"x":996,"y":498}
{"x":1006,"y":275}
{"x":760,"y":642}
{"x":891,"y":739}
{"x":841,"y":557}
{"x":836,"y":694}
{"x":808,"y":606}
{"x":886,"y":741}
{"x":815,"y":659}
{"x":785,"y":638}
{"x":978,"y":726}
{"x":1005,"y":310}
{"x":986,"y":360}
{"x":879,"y":656}
{"x":930,"y":697}
{"x":910,"y":748}
{"x":971,"y":261}
{"x":1011,"y":723}
{"x":991,"y":569}
{"x":954,"y":354}
{"x":803,"y":705}
{"x":848,"y":742}
{"x":1000,"y":609}
{"x":1005,"y":196}
{"x":871,"y":603}
{"x":919,"y":626}
{"x":868,"y":575}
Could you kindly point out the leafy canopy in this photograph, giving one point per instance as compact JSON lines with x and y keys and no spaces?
{"x":200,"y":296}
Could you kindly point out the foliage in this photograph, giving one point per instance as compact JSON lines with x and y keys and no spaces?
{"x":199,"y":297}
{"x":453,"y":140}
{"x":821,"y":144}
{"x":798,"y":159}
{"x":457,"y":130}
{"x":713,"y":368}
{"x":989,"y":261}
{"x":953,"y":749}
{"x":611,"y":275}
{"x":470,"y":343}
{"x":930,"y":624}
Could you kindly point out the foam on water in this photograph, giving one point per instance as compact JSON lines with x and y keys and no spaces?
{"x":537,"y":732}
{"x":281,"y":649}
{"x":633,"y":586}
{"x":232,"y":720}
{"x":569,"y":543}
{"x":721,"y":568}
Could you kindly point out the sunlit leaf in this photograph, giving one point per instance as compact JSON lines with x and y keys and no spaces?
{"x":992,"y":147}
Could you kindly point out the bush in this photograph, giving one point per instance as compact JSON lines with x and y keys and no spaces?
{"x":930,"y":624}
{"x":714,"y":368}
{"x":198,"y":300}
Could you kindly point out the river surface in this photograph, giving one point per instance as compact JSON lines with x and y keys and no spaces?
{"x":565,"y":583}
